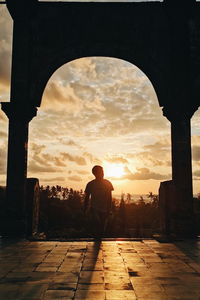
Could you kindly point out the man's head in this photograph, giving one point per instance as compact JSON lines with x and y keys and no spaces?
{"x":98,"y":172}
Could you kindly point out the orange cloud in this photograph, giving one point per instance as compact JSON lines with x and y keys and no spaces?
{"x":144,"y":174}
{"x":75,"y":178}
{"x":77,"y":159}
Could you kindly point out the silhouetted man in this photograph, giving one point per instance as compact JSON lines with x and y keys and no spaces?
{"x":98,"y":193}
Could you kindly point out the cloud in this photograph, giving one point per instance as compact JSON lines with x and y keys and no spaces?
{"x":55,"y":160}
{"x":93,"y":102}
{"x":196,"y":175}
{"x":3,"y":134}
{"x":92,"y":158}
{"x":3,"y":160}
{"x":154,"y":159}
{"x":82,"y":172}
{"x":3,"y":116}
{"x":196,"y":153}
{"x":159,"y":145}
{"x":37,"y":148}
{"x":48,"y":160}
{"x":43,"y":162}
{"x":117,"y":160}
{"x":71,"y":98}
{"x":56,"y":92}
{"x":36,"y":168}
{"x":3,"y":157}
{"x":5,"y":49}
{"x":144,"y":174}
{"x":153,"y":155}
{"x":98,"y":98}
{"x":71,"y":143}
{"x":196,"y":138}
{"x":54,"y":179}
{"x":75,"y":178}
{"x":77,"y":159}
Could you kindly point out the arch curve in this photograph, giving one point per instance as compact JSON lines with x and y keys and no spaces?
{"x":73,"y":52}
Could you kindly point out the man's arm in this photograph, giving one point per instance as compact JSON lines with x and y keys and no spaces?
{"x":110,"y":198}
{"x":110,"y":202}
{"x":87,"y":196}
{"x":86,"y":201}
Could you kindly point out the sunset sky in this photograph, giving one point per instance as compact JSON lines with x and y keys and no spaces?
{"x":95,"y":110}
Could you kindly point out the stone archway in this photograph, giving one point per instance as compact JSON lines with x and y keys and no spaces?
{"x":71,"y":122}
{"x":157,"y":37}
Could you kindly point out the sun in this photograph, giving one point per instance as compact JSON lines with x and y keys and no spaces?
{"x":114,"y":170}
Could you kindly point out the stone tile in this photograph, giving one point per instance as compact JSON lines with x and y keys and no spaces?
{"x":144,"y":273}
{"x":113,"y":259}
{"x":137,"y":269}
{"x":9,"y":291}
{"x":24,"y":269}
{"x":190,"y":278}
{"x":89,"y":294}
{"x":69,"y":268}
{"x":92,"y":286}
{"x":147,"y":294}
{"x":35,"y":259}
{"x":195,"y":266}
{"x":116,"y":294}
{"x":155,"y":297}
{"x":119,"y":269}
{"x":32,"y":291}
{"x":114,"y":273}
{"x":142,"y":280}
{"x":180,"y":290}
{"x":46,"y":269}
{"x":118,"y":286}
{"x":49,"y":264}
{"x":74,"y":255}
{"x":148,"y":288}
{"x":39,"y":277}
{"x":91,"y":277}
{"x":57,"y":251}
{"x":58,"y":294}
{"x":53,"y":258}
{"x":62,"y":286}
{"x":93,"y":267}
{"x":119,"y":280}
{"x":17,"y":277}
{"x":155,"y":271}
{"x":65,"y":277}
{"x":3,"y":274}
{"x":151,"y":259}
{"x":7,"y":267}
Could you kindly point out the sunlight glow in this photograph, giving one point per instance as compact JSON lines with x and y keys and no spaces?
{"x":114,"y":170}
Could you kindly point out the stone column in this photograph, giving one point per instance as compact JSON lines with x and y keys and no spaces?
{"x":181,"y":202}
{"x":19,"y":118}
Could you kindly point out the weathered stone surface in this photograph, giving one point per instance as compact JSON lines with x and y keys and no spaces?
{"x":58,"y":294}
{"x":91,"y":286}
{"x":88,"y":294}
{"x":174,"y":276}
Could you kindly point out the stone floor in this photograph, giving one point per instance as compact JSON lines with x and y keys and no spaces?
{"x":110,"y":270}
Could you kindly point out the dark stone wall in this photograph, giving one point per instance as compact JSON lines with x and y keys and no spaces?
{"x":161,"y":39}
{"x":137,"y":33}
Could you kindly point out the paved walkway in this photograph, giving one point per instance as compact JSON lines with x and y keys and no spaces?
{"x":108,"y":270}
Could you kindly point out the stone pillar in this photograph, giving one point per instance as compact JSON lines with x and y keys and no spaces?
{"x":181,"y":218}
{"x":19,"y":118}
{"x":33,"y":206}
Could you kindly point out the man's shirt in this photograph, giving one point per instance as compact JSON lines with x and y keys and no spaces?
{"x":100,"y":191}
